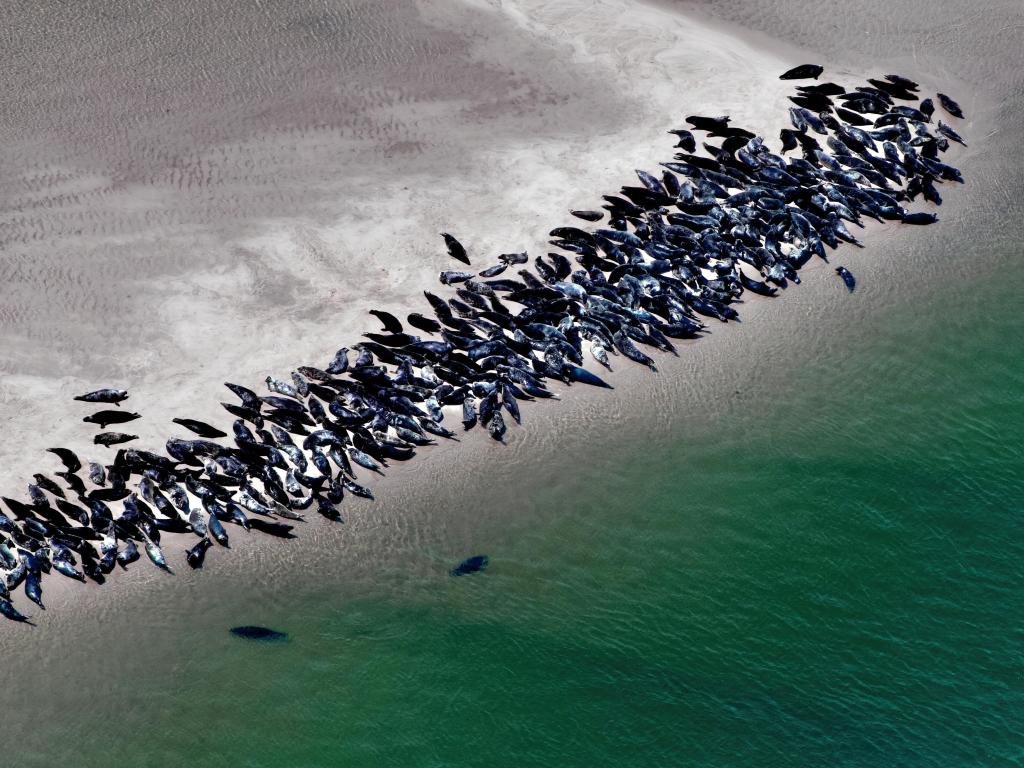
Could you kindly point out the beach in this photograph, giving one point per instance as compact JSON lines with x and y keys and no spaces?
{"x":214,"y":246}
{"x":246,"y":226}
{"x":250,"y":296}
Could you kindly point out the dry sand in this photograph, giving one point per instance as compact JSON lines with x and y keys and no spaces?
{"x":187,"y":217}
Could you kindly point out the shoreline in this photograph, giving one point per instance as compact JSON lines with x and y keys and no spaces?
{"x":620,"y":379}
{"x":526,"y":191}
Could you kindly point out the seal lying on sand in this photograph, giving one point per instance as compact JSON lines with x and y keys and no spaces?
{"x":803,"y":72}
{"x":455,"y":249}
{"x":114,"y":396}
{"x":113,"y":438}
{"x":848,"y":278}
{"x":105,"y":418}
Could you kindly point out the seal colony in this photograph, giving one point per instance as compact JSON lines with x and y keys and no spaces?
{"x":675,"y":251}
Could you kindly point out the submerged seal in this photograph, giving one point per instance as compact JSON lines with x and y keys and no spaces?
{"x":258,"y":633}
{"x":473,"y":564}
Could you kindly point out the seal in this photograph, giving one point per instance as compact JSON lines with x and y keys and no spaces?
{"x":848,"y":278}
{"x":950,"y":106}
{"x":114,"y":396}
{"x":71,"y":461}
{"x":200,"y":428}
{"x":803,"y":72}
{"x":105,"y":418}
{"x":455,"y":249}
{"x":473,"y":564}
{"x":156,"y":556}
{"x":9,"y":611}
{"x":197,"y":554}
{"x":113,"y":438}
{"x":391,"y":323}
{"x":263,"y":634}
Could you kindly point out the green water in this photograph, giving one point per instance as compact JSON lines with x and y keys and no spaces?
{"x":825,"y":571}
{"x":839,"y":586}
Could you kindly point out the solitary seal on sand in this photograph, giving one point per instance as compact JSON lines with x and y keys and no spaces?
{"x":803,"y":72}
{"x":848,"y":278}
{"x":104,"y":418}
{"x":455,"y":249}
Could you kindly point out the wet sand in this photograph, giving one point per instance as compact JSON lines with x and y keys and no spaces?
{"x":247,"y":226}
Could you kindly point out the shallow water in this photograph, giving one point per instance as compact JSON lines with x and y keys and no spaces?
{"x":800,"y":544}
{"x":828,"y":574}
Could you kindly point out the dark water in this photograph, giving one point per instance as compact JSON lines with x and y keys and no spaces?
{"x":811,"y":554}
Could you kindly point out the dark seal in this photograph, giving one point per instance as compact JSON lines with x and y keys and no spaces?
{"x":259,"y":633}
{"x":473,"y":564}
